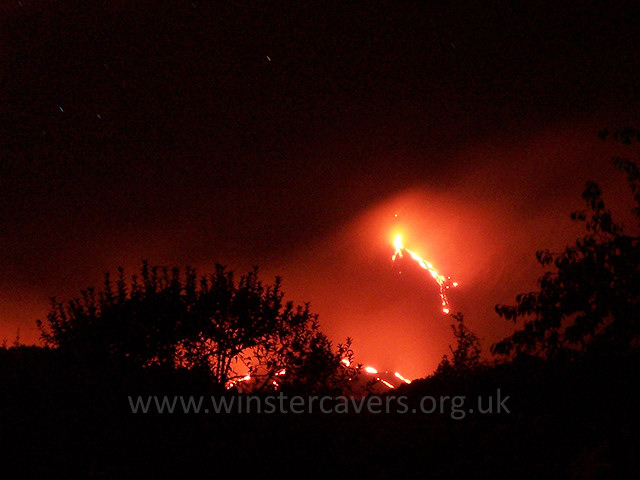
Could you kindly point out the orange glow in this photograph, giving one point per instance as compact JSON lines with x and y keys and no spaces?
{"x":370,"y":370}
{"x":402,"y":378}
{"x":232,"y":383}
{"x":346,"y":361}
{"x":444,"y":282}
{"x":386,"y":383}
{"x":398,"y":244}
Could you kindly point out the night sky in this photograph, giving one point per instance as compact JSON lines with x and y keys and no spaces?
{"x":289,"y":135}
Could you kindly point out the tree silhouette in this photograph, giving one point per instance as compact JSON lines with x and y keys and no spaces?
{"x":591,"y":299}
{"x":211,"y":324}
{"x":466,"y":355}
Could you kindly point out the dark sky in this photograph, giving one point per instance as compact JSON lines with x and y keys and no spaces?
{"x":289,"y":134}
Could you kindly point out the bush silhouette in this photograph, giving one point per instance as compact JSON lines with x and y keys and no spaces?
{"x":466,"y":355}
{"x":590,"y":301}
{"x":213,"y":324}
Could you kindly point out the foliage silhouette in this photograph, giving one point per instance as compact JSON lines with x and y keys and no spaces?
{"x":466,"y":356}
{"x":212,"y":324}
{"x":591,"y":300}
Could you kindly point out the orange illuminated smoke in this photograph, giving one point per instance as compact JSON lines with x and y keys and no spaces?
{"x":444,"y":282}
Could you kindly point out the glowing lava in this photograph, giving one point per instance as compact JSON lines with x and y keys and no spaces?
{"x":405,"y":380}
{"x":444,"y":282}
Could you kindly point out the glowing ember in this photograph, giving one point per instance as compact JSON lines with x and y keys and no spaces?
{"x":402,"y":378}
{"x":386,"y":383}
{"x":232,"y":383}
{"x":444,"y":282}
{"x":239,"y":382}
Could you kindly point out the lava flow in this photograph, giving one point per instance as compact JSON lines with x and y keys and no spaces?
{"x":444,"y":282}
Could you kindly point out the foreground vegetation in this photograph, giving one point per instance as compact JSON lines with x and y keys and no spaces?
{"x":568,"y":377}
